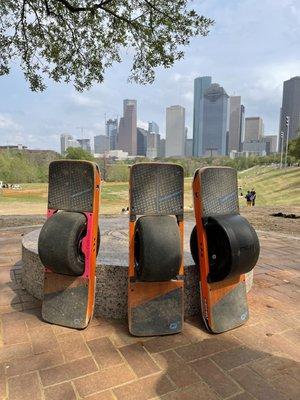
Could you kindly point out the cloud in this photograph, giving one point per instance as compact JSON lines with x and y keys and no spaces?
{"x":142,"y":124}
{"x":10,"y":131}
{"x":84,"y":100}
{"x":6,"y":122}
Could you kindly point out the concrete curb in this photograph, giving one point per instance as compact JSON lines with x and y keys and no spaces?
{"x":111,"y":271}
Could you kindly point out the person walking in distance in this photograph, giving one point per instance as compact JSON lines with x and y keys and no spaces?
{"x":248,"y":198}
{"x":253,"y":197}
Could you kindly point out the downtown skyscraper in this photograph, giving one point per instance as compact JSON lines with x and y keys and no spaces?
{"x":127,"y":138}
{"x":200,"y":86}
{"x":291,"y":108}
{"x":236,"y":124}
{"x":215,"y":121}
{"x":254,"y":128}
{"x":175,"y":131}
{"x":111,"y":130}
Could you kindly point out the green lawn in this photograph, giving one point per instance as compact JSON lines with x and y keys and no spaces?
{"x":273,"y":187}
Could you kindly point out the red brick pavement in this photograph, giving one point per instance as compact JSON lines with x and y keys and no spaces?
{"x":257,"y":361}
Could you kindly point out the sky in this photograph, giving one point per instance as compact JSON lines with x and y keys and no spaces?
{"x":252,"y":48}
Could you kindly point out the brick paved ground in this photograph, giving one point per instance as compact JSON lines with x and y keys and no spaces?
{"x":257,"y":361}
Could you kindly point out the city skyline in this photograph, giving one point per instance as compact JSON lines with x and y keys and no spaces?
{"x":203,"y":83}
{"x":219,"y":120}
{"x":37,"y":119}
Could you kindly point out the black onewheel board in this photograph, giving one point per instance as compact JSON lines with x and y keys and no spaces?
{"x":226,"y":247}
{"x":69,"y":242}
{"x":155,"y":281}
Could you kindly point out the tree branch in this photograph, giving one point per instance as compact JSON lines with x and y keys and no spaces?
{"x":23,"y":17}
{"x":97,"y":6}
{"x":158,"y":10}
{"x":72,"y":8}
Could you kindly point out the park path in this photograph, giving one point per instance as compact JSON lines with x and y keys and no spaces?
{"x":257,"y":361}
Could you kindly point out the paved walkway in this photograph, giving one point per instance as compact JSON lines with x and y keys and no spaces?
{"x":257,"y":361}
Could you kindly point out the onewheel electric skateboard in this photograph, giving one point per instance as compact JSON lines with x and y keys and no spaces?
{"x":224,"y":245}
{"x":155,"y":276}
{"x":69,"y":242}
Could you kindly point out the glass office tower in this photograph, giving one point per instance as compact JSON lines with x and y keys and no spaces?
{"x":200,"y":86}
{"x":215,"y":121}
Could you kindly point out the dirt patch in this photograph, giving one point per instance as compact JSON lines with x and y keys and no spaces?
{"x":21,"y":220}
{"x":261,"y":219}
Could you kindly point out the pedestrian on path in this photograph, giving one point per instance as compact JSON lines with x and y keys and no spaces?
{"x":253,"y":197}
{"x":248,"y":198}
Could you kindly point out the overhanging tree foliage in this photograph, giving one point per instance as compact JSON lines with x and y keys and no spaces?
{"x":77,"y":40}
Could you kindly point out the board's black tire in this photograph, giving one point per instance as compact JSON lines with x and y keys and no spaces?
{"x":235,"y":245}
{"x":232,"y":245}
{"x":218,"y":252}
{"x":59,"y":243}
{"x":194,"y":245}
{"x":158,"y":252}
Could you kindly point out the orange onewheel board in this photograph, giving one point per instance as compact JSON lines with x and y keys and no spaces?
{"x":227,"y":248}
{"x":155,"y":307}
{"x":73,"y":195}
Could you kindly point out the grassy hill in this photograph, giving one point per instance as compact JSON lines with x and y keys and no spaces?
{"x":273,"y":186}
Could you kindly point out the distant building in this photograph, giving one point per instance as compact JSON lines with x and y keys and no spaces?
{"x":200,"y":86}
{"x":141,"y":142}
{"x":153,"y":142}
{"x":101,"y":144}
{"x":255,"y":147}
{"x":271,"y":143}
{"x":254,"y":128}
{"x":13,"y":147}
{"x":243,"y":123}
{"x":290,"y":107}
{"x":235,"y":154}
{"x":127,"y":138}
{"x":153,"y":127}
{"x":236,"y":123}
{"x":161,"y":151}
{"x":215,"y":121}
{"x":67,"y":141}
{"x":188,"y":147}
{"x":111,"y":130}
{"x":117,"y":154}
{"x":85,"y":144}
{"x":175,"y":131}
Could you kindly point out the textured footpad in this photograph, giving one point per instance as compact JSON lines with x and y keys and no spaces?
{"x":156,"y":189}
{"x":65,"y":300}
{"x":71,"y":185}
{"x":219,"y":194}
{"x":161,"y":315}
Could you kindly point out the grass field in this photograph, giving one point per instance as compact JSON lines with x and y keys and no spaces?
{"x":273,"y":186}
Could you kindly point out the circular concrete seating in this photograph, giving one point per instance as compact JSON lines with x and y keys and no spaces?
{"x":111,"y":271}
